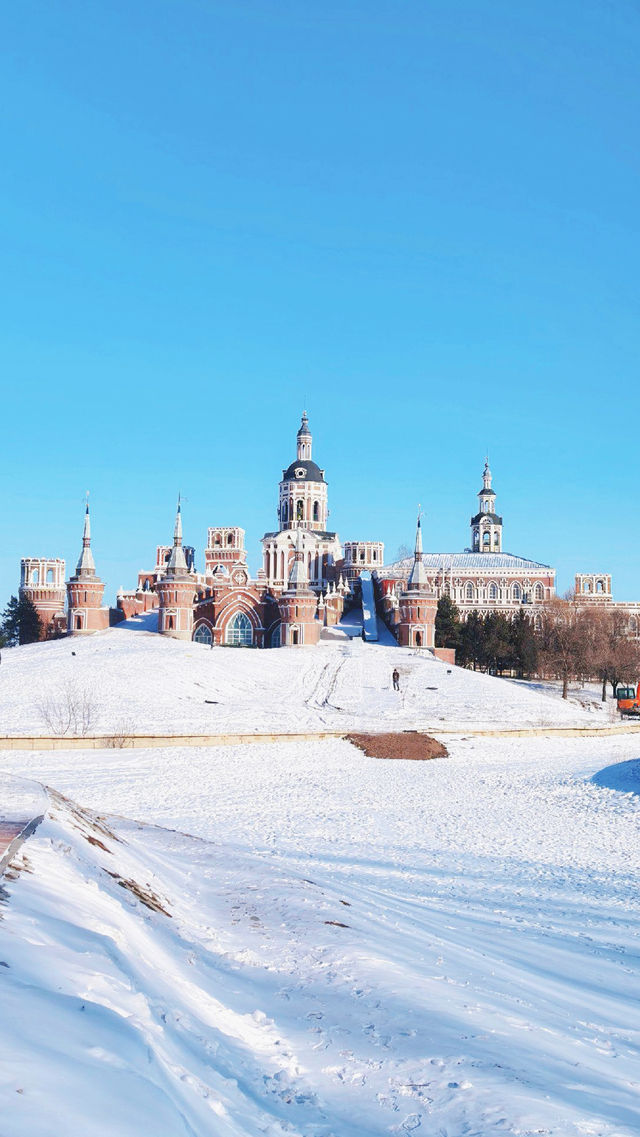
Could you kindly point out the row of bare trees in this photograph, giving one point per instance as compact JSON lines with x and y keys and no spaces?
{"x":580,"y":642}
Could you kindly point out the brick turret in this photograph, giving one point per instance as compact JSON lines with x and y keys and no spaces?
{"x":85,"y":590}
{"x":176,"y":591}
{"x":417,"y":604}
{"x":42,"y":581}
{"x":298,"y":604}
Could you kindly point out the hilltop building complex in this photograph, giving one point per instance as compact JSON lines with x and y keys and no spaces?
{"x":308,"y":577}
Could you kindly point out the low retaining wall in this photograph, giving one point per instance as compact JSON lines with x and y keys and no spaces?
{"x":153,"y":741}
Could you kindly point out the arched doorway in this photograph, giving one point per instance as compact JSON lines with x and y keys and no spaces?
{"x":239,"y":632}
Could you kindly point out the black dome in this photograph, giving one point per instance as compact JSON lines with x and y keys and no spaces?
{"x":312,"y":472}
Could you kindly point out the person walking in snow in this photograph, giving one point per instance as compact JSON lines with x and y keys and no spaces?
{"x":396,"y":679}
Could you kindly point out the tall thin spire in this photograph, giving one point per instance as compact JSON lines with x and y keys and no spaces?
{"x":177,"y":564}
{"x":86,"y":565}
{"x":418,"y":577}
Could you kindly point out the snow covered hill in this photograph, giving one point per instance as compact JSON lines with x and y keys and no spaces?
{"x":137,"y":681}
{"x":343,"y":947}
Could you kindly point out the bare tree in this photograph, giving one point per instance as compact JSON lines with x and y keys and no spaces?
{"x":583,"y":642}
{"x":564,"y":643}
{"x":72,"y":710}
{"x":619,"y":652}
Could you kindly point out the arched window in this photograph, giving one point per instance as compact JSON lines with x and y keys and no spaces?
{"x":599,"y":586}
{"x":202,"y":635}
{"x":230,"y":539}
{"x":35,"y":576}
{"x":418,"y":639}
{"x":486,"y":540}
{"x":239,"y":631}
{"x":469,"y":591}
{"x":316,"y":511}
{"x":538,"y":593}
{"x":49,"y":576}
{"x":493,"y":592}
{"x":284,"y":512}
{"x":496,"y":538}
{"x":633,"y":625}
{"x":275,"y":637}
{"x":516,"y":592}
{"x":295,"y":636}
{"x":299,"y":511}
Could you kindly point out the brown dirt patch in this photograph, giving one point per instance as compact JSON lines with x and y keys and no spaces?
{"x":409,"y":744}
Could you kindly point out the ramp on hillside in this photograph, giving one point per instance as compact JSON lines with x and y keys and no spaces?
{"x":369,"y":618}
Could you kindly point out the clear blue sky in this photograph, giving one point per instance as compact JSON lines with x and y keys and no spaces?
{"x":420,"y":220}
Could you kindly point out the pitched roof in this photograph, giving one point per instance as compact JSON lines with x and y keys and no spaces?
{"x":460,"y":562}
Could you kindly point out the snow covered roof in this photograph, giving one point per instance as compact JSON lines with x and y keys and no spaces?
{"x":482,"y":562}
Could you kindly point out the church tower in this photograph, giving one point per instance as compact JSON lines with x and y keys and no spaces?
{"x":302,"y":506}
{"x":85,"y":590}
{"x":486,"y":526}
{"x":417,"y":604}
{"x":303,"y":490}
{"x":176,"y":591}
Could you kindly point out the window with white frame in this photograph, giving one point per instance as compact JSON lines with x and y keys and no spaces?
{"x":239,"y":632}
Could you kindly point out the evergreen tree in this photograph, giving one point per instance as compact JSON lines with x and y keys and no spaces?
{"x":496,"y":653}
{"x":20,"y":623}
{"x":447,"y":623}
{"x":524,"y":642}
{"x":472,"y":640}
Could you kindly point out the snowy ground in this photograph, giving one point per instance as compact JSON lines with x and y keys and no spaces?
{"x":486,"y":981}
{"x":585,"y":695}
{"x":297,"y":939}
{"x":137,"y":681}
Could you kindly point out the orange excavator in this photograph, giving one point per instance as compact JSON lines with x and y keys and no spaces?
{"x":628,"y":701}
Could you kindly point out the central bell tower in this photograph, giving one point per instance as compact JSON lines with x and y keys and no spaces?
{"x":486,"y":526}
{"x":303,"y":489}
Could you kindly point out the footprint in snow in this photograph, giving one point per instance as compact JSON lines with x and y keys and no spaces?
{"x":412,"y":1121}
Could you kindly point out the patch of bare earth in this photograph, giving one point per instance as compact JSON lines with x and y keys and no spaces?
{"x":409,"y":744}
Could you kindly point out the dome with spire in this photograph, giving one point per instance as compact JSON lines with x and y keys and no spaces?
{"x":303,"y":469}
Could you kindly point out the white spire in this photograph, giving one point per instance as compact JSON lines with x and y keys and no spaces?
{"x":177,"y":565}
{"x":86,"y":565}
{"x":418,"y":577}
